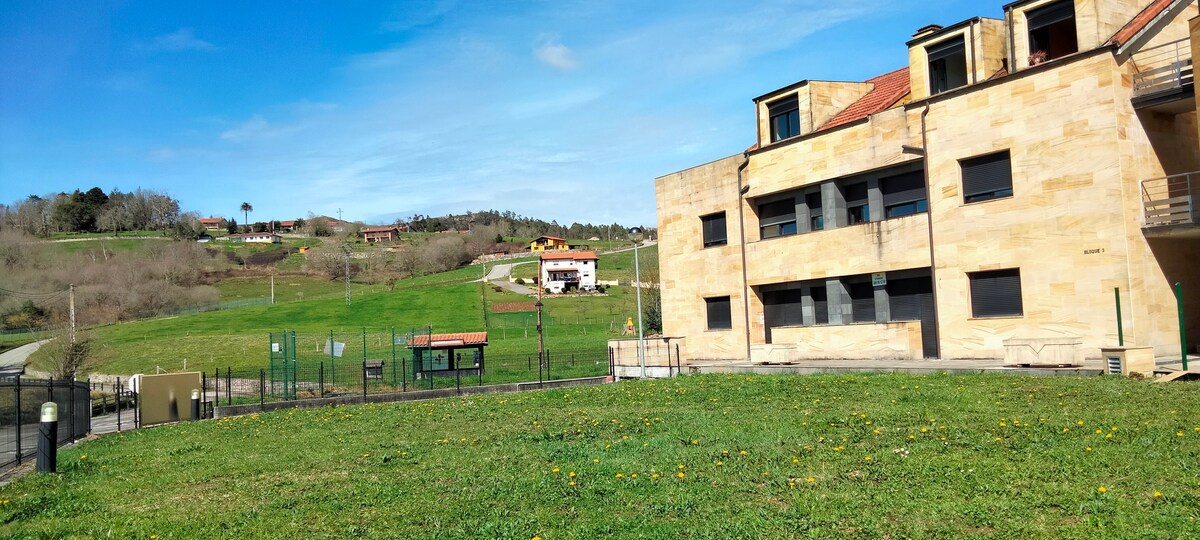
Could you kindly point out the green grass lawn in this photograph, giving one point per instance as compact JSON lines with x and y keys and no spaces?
{"x":848,"y":456}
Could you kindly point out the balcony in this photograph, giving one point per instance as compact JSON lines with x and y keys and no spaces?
{"x":1164,"y":79}
{"x":1170,"y":205}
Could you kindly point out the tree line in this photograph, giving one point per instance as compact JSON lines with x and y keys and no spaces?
{"x":96,"y":211}
{"x":509,"y":223}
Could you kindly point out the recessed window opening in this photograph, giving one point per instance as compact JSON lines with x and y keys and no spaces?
{"x":1052,"y":31}
{"x":996,"y":293}
{"x":784,"y":118}
{"x":947,"y":65}
{"x":904,"y":194}
{"x":783,"y":307}
{"x":857,"y":209}
{"x":987,"y":177}
{"x":777,"y":218}
{"x":713,"y":229}
{"x":815,"y":218}
{"x":862,"y":299}
{"x":719,"y":313}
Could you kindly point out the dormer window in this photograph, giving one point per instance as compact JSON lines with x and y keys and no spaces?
{"x":785,"y":118}
{"x":1051,"y":31}
{"x":947,"y":65}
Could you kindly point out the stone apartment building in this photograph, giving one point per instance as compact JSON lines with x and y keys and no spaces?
{"x":998,"y":188}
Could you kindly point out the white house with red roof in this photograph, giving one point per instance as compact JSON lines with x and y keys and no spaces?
{"x":564,"y":271}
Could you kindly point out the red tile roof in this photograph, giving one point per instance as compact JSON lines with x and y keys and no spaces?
{"x":379,"y":229}
{"x":449,"y":340}
{"x":1002,"y":72}
{"x":569,"y":255}
{"x":548,"y":238}
{"x":889,"y":88}
{"x":1139,"y":22}
{"x":211,"y":220}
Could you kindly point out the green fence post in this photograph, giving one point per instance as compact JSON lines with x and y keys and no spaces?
{"x":295,"y":361}
{"x":393,"y":358}
{"x":1120,"y":328}
{"x":332,"y":367}
{"x":1182,"y":328}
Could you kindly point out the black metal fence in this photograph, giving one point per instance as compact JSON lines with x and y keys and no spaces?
{"x":348,"y":377}
{"x":21,"y":402}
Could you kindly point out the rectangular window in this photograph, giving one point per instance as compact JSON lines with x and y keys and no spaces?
{"x":904,"y":194}
{"x":947,"y":65}
{"x":713,"y":229}
{"x":816,"y":220}
{"x":857,"y":209}
{"x":987,"y":177}
{"x":783,"y":308}
{"x":820,"y":304}
{"x":719,"y":313}
{"x":996,"y":293}
{"x":1051,"y":31}
{"x":784,"y":118}
{"x":862,"y":299}
{"x":777,"y":218}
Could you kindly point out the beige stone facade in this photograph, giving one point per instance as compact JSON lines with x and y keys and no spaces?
{"x":1078,"y":145}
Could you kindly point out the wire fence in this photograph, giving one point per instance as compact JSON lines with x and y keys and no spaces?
{"x":341,"y":376}
{"x":21,"y":401}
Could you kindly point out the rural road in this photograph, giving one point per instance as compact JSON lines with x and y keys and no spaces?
{"x":13,"y":362}
{"x":498,"y":276}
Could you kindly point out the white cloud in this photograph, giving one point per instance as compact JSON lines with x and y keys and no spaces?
{"x":554,"y":54}
{"x":256,"y":127}
{"x":183,"y":39}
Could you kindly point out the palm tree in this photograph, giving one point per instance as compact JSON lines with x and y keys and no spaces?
{"x":246,"y":208}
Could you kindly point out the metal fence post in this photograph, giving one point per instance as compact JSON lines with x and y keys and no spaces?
{"x":364,"y":368}
{"x":18,"y":418}
{"x":321,"y":378}
{"x":71,"y":400}
{"x":228,"y":385}
{"x":262,"y":387}
{"x":539,"y":370}
{"x":457,"y":378}
{"x":403,"y":373}
{"x":118,"y":391}
{"x":678,"y":361}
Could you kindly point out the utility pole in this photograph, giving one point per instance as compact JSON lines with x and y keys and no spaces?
{"x":339,"y":214}
{"x":538,"y":305}
{"x":71,"y":297}
{"x":346,"y":250}
{"x":272,"y":288}
{"x":637,"y":276}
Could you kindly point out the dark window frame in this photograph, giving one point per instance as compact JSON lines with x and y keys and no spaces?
{"x":816,"y":220}
{"x":786,"y":109}
{"x":779,"y":224}
{"x":984,"y":179}
{"x":724,"y":318}
{"x":708,"y":230}
{"x":947,"y":58}
{"x":913,"y":199}
{"x":992,"y":293}
{"x":858,"y":205}
{"x":1051,"y":30}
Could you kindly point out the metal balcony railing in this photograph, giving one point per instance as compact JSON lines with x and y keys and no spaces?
{"x":1163,"y":68}
{"x":1171,"y":200}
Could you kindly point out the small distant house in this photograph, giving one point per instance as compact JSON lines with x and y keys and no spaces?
{"x":549,"y":243}
{"x":256,"y":238}
{"x":213,"y":223}
{"x":287,"y":226}
{"x":562,"y":272}
{"x":380,"y":234}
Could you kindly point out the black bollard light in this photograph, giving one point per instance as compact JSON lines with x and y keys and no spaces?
{"x":47,"y":447}
{"x":195,"y":405}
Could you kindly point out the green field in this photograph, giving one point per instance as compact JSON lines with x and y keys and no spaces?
{"x":851,"y":456}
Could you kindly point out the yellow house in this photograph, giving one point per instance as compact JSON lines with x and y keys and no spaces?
{"x":549,"y":243}
{"x":995,"y":191}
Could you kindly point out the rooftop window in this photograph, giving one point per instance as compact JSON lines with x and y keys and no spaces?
{"x":785,"y":118}
{"x":1051,"y":31}
{"x":947,"y":65}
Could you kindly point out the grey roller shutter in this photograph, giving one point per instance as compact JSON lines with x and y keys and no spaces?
{"x":1048,"y":15}
{"x":719,"y":313}
{"x":862,"y":301}
{"x":783,"y":308}
{"x":903,"y":188}
{"x":996,"y":293}
{"x":945,"y":49}
{"x":986,"y":174}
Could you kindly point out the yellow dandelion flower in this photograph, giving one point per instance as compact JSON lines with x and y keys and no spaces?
{"x":1157,"y":495}
{"x":868,"y":458}
{"x":1102,"y":489}
{"x":596,"y":460}
{"x":743,"y":452}
{"x":571,"y":483}
{"x":633,"y":475}
{"x":571,"y":474}
{"x":719,"y":463}
{"x":810,"y":479}
{"x":924,"y":430}
{"x":1079,"y":422}
{"x":1109,"y":436}
{"x":1177,"y":434}
{"x":681,"y":466}
{"x":679,"y":474}
{"x":619,"y":475}
{"x":554,"y":470}
{"x":1066,"y":429}
{"x":791,"y":484}
{"x":795,"y":460}
{"x":695,"y":441}
{"x":83,"y":456}
{"x":1088,"y":449}
{"x":654,"y":476}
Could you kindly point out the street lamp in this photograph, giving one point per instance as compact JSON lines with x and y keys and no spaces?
{"x":637,"y":276}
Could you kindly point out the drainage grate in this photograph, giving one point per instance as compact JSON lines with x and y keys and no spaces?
{"x":1114,"y":364}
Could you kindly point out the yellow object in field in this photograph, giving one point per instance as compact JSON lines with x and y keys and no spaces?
{"x":629,"y":326}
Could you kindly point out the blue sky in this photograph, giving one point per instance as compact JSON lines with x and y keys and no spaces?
{"x":563,"y":110}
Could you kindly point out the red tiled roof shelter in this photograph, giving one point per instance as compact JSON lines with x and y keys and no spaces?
{"x":570,"y":256}
{"x":436,"y":355}
{"x":889,"y":89}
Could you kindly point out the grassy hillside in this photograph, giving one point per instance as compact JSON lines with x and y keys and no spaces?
{"x":862,"y":456}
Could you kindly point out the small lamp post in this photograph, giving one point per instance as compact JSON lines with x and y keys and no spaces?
{"x":195,"y":404}
{"x":637,"y":276}
{"x":47,"y":447}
